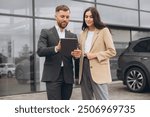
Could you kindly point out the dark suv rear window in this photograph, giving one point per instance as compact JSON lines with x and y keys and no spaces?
{"x":142,"y":46}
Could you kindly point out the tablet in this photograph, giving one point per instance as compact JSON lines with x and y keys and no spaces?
{"x":68,"y":45}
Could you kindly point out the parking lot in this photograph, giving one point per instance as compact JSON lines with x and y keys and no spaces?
{"x":116,"y":90}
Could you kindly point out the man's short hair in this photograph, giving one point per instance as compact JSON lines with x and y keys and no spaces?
{"x":62,"y":7}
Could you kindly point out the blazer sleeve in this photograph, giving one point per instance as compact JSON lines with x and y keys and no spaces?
{"x":43,"y":48}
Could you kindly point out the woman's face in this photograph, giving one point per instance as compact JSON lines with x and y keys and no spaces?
{"x":89,"y":19}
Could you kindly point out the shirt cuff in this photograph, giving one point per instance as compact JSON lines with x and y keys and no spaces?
{"x":56,"y":49}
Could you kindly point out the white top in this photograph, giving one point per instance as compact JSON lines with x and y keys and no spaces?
{"x":88,"y":41}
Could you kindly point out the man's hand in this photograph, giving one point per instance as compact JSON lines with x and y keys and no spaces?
{"x":58,"y":47}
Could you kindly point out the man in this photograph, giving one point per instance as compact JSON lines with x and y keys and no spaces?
{"x":58,"y":69}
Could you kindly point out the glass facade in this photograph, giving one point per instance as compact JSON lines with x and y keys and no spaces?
{"x":16,"y":47}
{"x":22,"y":20}
{"x":118,"y":16}
{"x":20,"y":7}
{"x":121,"y":3}
{"x":47,"y":8}
{"x":145,"y":18}
{"x":144,"y":5}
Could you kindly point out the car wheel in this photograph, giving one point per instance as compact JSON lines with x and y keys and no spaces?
{"x":135,"y":79}
{"x":9,"y":74}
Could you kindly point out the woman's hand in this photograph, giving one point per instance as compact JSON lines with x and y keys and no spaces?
{"x":76,"y":53}
{"x":90,"y":55}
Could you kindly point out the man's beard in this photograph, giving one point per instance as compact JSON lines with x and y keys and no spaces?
{"x":62,"y":25}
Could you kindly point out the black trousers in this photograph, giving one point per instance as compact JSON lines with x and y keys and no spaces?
{"x":59,"y":90}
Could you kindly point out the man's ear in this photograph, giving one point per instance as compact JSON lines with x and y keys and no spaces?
{"x":55,"y":17}
{"x":56,"y":14}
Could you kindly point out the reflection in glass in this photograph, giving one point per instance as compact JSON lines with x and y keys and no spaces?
{"x":121,"y":39}
{"x":118,"y":16}
{"x":140,"y":34}
{"x":144,"y":5}
{"x":47,"y":8}
{"x":19,"y":7}
{"x":15,"y":55}
{"x":122,"y":3}
{"x":145,"y":18}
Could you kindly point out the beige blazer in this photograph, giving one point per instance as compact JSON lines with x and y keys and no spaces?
{"x":103,"y":46}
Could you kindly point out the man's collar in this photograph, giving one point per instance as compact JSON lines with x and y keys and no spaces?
{"x":58,"y":28}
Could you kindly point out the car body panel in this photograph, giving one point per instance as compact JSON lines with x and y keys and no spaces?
{"x":134,"y":58}
{"x":7,"y":69}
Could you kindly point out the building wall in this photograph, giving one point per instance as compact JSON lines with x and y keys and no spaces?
{"x":22,"y":20}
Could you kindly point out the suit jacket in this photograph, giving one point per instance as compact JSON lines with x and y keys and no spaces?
{"x":46,"y":48}
{"x":102,"y":45}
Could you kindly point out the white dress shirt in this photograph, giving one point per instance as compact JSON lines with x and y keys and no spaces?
{"x":61,"y":34}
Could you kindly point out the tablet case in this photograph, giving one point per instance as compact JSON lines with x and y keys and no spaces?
{"x":68,"y":45}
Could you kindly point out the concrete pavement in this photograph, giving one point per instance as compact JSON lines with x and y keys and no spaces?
{"x":117,"y":91}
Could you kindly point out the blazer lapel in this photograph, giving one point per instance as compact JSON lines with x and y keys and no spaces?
{"x":94,"y":38}
{"x":84,"y":37}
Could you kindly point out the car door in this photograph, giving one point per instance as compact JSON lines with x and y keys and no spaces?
{"x":143,"y":50}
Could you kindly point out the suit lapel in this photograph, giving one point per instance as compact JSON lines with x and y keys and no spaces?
{"x":66,"y":34}
{"x":54,"y":31}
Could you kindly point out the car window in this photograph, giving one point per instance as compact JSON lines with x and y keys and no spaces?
{"x":142,"y":46}
{"x":148,"y":47}
{"x":11,"y":66}
{"x":2,"y":66}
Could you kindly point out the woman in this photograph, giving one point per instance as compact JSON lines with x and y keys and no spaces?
{"x":96,"y":47}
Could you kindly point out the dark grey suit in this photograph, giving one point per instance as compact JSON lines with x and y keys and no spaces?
{"x":53,"y":72}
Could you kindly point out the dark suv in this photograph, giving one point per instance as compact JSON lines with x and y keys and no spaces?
{"x":134,"y":65}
